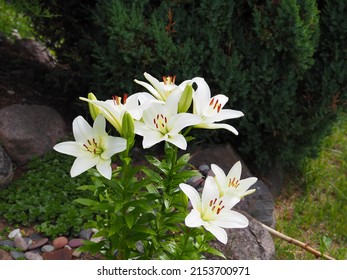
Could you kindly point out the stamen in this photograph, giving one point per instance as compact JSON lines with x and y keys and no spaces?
{"x":211,"y":102}
{"x":125,"y":97}
{"x":89,"y":142}
{"x":219,"y":107}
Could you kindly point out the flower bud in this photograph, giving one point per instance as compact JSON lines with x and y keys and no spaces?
{"x":94,"y":110}
{"x":186,"y":99}
{"x":128,"y":127}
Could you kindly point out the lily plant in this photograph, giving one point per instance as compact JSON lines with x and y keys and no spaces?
{"x":142,"y":212}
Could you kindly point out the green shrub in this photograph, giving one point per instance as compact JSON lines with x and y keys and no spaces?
{"x":43,"y":197}
{"x":267,"y":56}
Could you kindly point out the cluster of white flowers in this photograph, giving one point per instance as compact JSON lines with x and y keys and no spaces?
{"x":160,"y":115}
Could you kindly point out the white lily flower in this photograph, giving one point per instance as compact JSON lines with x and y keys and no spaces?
{"x":212,"y":211}
{"x":162,"y":123}
{"x":162,"y":90}
{"x":93,"y":146}
{"x":113,"y":110}
{"x":211,"y":109}
{"x":231,"y":184}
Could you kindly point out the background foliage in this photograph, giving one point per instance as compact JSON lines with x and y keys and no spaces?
{"x":283,"y":63}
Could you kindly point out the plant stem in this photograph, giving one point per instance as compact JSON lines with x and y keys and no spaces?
{"x":296,"y":242}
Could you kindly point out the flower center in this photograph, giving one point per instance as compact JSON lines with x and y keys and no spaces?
{"x":216,"y":205}
{"x":117,"y":100}
{"x":169,"y":80}
{"x":215,"y":106}
{"x":233,"y":183}
{"x":92,"y":147}
{"x":160,"y":123}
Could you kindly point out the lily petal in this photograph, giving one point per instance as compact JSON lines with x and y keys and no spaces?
{"x":178,"y":140}
{"x":192,"y":194}
{"x":114,"y":145}
{"x":70,"y":148}
{"x":82,"y":131}
{"x":83,"y":163}
{"x":193,"y":219}
{"x":104,"y":168}
{"x":231,"y":219}
{"x":217,"y":126}
{"x":218,"y":232}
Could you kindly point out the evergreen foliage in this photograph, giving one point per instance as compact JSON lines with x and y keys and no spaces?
{"x":283,"y":63}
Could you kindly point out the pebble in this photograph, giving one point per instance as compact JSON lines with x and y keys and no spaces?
{"x":47,"y":248}
{"x":32,"y":256}
{"x":14,"y":232}
{"x":76,"y":253}
{"x":35,"y":236}
{"x":20,"y":243}
{"x":4,"y":255}
{"x":195,"y":181}
{"x":60,"y":242}
{"x":37,"y":244}
{"x":7,"y":243}
{"x":76,"y":242}
{"x":17,"y":255}
{"x":86,"y":234}
{"x":204,"y":168}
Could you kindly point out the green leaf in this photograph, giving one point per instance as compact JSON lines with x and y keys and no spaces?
{"x":129,"y":219}
{"x":215,"y":252}
{"x":162,"y":166}
{"x":86,"y":202}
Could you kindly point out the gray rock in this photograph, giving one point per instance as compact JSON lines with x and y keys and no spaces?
{"x":4,"y":255}
{"x":17,"y":255}
{"x":7,"y":243}
{"x":47,"y":248}
{"x":260,"y":204}
{"x":6,"y":169}
{"x":250,"y":243}
{"x":33,"y":256}
{"x":29,"y":130}
{"x":38,"y":243}
{"x":20,"y":243}
{"x":86,"y":233}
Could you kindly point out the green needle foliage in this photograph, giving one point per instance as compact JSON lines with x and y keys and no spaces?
{"x":282,"y":62}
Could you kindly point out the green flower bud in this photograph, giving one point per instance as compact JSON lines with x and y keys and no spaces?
{"x":128,"y":128}
{"x":186,"y":99}
{"x":94,"y":110}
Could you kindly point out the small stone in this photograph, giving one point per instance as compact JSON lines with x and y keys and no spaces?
{"x":210,"y":173}
{"x":35,"y":236}
{"x":97,"y":239}
{"x":61,"y":254}
{"x":4,"y":255}
{"x":60,"y":242}
{"x":17,"y":255}
{"x":7,"y":243}
{"x":67,"y":247}
{"x":86,"y":233}
{"x":204,"y":168}
{"x":47,"y":248}
{"x":76,"y":242}
{"x":32,"y":256}
{"x":37,"y":244}
{"x":76,"y":253}
{"x":20,"y":243}
{"x":14,"y":232}
{"x":195,"y":181}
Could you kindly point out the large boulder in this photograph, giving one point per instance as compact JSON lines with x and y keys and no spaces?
{"x":6,"y":169}
{"x":29,"y":130}
{"x":260,"y":204}
{"x":250,"y":243}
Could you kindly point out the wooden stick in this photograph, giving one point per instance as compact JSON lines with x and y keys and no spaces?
{"x":302,"y":245}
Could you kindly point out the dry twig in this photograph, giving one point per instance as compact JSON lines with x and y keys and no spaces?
{"x":298,"y":243}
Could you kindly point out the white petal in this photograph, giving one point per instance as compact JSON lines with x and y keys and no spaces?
{"x":82,"y":131}
{"x":224,"y":114}
{"x":178,"y":140}
{"x":220,"y":177}
{"x":178,"y":122}
{"x":99,"y":126}
{"x":171,"y":103}
{"x":114,"y":145}
{"x":218,"y":232}
{"x":235,"y":171}
{"x":193,"y":219}
{"x":217,"y":126}
{"x":151,"y":112}
{"x":193,"y":195}
{"x":141,"y":128}
{"x":209,"y":192}
{"x":222,"y":99}
{"x":83,"y":163}
{"x":155,"y":83}
{"x":230,"y":219}
{"x":71,"y":148}
{"x":245,"y":184}
{"x":201,"y":97}
{"x":104,"y":168}
{"x":151,"y":138}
